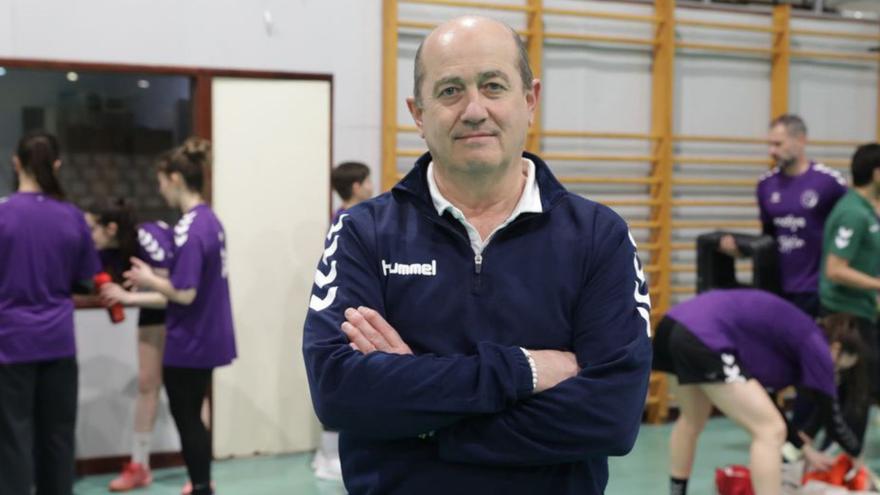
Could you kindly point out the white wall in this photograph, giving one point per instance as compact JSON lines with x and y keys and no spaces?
{"x":108,"y":374}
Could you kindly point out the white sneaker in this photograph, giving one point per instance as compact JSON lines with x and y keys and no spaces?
{"x":327,"y":467}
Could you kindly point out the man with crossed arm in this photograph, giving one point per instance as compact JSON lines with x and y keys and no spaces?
{"x":479,"y":329}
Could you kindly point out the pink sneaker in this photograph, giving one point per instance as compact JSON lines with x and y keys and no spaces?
{"x":188,"y":488}
{"x":133,"y":476}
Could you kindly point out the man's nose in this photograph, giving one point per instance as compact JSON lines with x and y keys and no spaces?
{"x":475,"y":112}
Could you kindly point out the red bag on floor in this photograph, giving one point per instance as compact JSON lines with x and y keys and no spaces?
{"x":733,"y":480}
{"x":837,"y":475}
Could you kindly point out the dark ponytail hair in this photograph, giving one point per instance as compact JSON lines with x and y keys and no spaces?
{"x":120,"y":212}
{"x":843,"y":329}
{"x":191,"y":160}
{"x":38,"y":151}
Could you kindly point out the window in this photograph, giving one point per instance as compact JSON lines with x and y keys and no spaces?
{"x":111,"y":127}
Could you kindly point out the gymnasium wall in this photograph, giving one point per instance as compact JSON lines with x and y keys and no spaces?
{"x":606,"y":87}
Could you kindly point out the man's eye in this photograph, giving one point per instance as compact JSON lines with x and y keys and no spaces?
{"x":449,"y":91}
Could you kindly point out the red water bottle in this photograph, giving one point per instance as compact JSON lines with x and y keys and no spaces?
{"x":117,"y":313}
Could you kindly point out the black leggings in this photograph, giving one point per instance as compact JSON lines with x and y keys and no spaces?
{"x":187,"y":388}
{"x":37,"y":421}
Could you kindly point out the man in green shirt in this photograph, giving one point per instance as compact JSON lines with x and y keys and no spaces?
{"x":849,"y":280}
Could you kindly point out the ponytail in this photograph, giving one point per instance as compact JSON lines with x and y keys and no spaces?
{"x":38,"y":151}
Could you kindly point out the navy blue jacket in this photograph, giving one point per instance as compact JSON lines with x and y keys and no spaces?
{"x":566,"y":279}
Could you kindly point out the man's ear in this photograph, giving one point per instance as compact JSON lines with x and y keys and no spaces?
{"x":533,"y":96}
{"x":415,"y":109}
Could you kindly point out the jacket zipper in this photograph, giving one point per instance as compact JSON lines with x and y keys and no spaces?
{"x":478,"y":267}
{"x":478,"y":257}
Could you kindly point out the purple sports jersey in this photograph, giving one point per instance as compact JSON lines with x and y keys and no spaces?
{"x":156,"y":244}
{"x":200,"y":335}
{"x":45,"y":247}
{"x":777,"y":343}
{"x":793,"y":210}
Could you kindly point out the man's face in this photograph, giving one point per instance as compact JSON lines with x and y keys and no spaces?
{"x":474,"y":113}
{"x":785,"y":150}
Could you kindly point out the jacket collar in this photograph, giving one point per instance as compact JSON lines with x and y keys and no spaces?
{"x":415,"y":183}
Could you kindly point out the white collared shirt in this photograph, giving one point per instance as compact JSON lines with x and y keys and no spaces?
{"x":529,"y":202}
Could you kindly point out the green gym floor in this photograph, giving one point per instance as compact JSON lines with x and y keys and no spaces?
{"x":642,"y":472}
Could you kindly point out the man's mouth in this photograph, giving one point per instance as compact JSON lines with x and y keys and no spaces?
{"x":474,"y":135}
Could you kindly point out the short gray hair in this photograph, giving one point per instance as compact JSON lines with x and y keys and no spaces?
{"x":525,"y":69}
{"x":794,"y":124}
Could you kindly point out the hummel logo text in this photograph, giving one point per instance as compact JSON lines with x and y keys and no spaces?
{"x":425,"y":269}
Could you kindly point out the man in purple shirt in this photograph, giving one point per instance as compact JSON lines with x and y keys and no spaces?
{"x":726,"y":347}
{"x":45,"y":249}
{"x":794,"y":199}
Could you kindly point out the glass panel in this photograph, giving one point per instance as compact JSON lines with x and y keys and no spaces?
{"x":111,"y":127}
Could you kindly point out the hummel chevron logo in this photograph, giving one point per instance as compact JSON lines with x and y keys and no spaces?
{"x":151,"y":245}
{"x":181,"y":230}
{"x":732,"y":373}
{"x":336,"y":226}
{"x":844,"y":235}
{"x":641,"y":294}
{"x":319,"y":304}
{"x":331,"y":249}
{"x":322,"y":280}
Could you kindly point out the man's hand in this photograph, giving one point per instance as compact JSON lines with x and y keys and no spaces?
{"x":727,"y":245}
{"x":369,"y":332}
{"x":553,"y":367}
